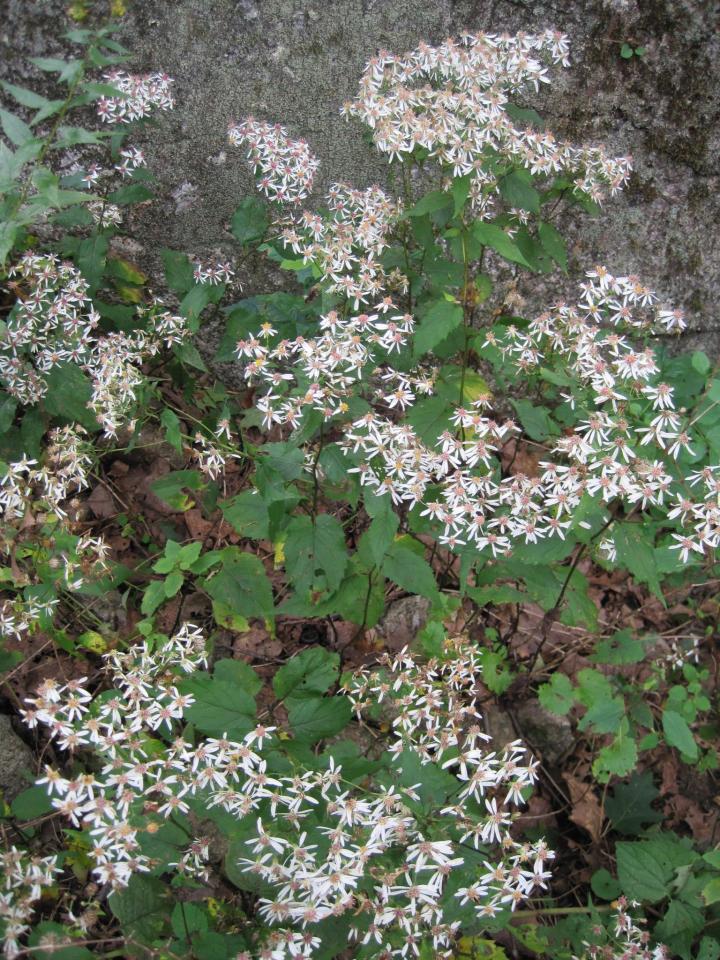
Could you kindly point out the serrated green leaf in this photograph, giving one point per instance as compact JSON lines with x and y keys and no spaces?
{"x":409,"y":571}
{"x":315,"y":554}
{"x":678,"y":734}
{"x":141,"y":907}
{"x":15,"y":129}
{"x":490,"y":235}
{"x":242,"y":585}
{"x":170,"y":487}
{"x":68,"y":394}
{"x":437,"y":322}
{"x":178,"y":271}
{"x":517,"y":190}
{"x":318,"y":718}
{"x":250,"y":222}
{"x":247,"y":514}
{"x":635,"y":551}
{"x":554,"y":244}
{"x":629,"y":805}
{"x":432,"y":201}
{"x":171,"y":424}
{"x":535,"y":419}
{"x":308,"y":674}
{"x":558,"y":695}
{"x":28,"y":98}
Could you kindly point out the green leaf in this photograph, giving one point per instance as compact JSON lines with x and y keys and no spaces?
{"x":621,"y":648}
{"x":558,"y":695}
{"x":604,"y":715}
{"x":626,"y":51}
{"x":604,"y":885}
{"x":629,"y":805}
{"x":31,"y":803}
{"x":315,"y":554}
{"x":535,"y":419}
{"x":490,"y":235}
{"x":15,"y":129}
{"x":378,"y":537}
{"x":141,"y":907}
{"x":169,"y":488}
{"x":647,"y":868}
{"x":242,"y":585}
{"x":221,"y":706}
{"x":28,"y":98}
{"x":249,"y":223}
{"x":68,"y":394}
{"x":678,"y":734}
{"x":240,"y":674}
{"x":635,"y":551}
{"x":186,"y":919}
{"x":178,"y":271}
{"x":437,"y":322}
{"x":248,"y":515}
{"x":711,"y":891}
{"x":432,"y":201}
{"x":525,"y":116}
{"x":173,"y":583}
{"x":131,"y":193}
{"x":194,"y":302}
{"x":318,"y":718}
{"x":517,"y":190}
{"x":309,"y":674}
{"x":700,"y":362}
{"x":679,"y":926}
{"x":153,"y":596}
{"x":554,"y":244}
{"x":460,"y":192}
{"x":430,"y":417}
{"x":171,"y":424}
{"x":409,"y":571}
{"x":619,"y":758}
{"x":69,"y":70}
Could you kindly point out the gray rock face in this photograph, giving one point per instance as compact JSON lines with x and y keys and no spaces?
{"x":403,"y":620}
{"x":550,"y":736}
{"x":16,"y":759}
{"x":295,"y":61}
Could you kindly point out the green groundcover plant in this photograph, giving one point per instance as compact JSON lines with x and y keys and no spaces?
{"x":390,"y":398}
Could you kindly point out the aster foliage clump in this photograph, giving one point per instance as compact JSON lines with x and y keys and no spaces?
{"x":250,"y":756}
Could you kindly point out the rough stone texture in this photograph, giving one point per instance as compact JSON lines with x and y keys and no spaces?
{"x":403,"y":621}
{"x":295,"y":61}
{"x":549,"y":736}
{"x":16,"y":759}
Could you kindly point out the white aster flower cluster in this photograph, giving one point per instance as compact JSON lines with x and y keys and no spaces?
{"x":211,"y":454}
{"x":110,"y":802}
{"x":114,"y":363}
{"x":22,"y":880}
{"x":452,"y":100}
{"x":105,"y":214}
{"x":285,"y":168}
{"x":325,"y":368}
{"x":611,"y":456}
{"x":345,"y":246}
{"x":54,"y":323}
{"x":138,"y":96}
{"x":628,"y":939}
{"x":325,"y":845}
{"x":32,"y":507}
{"x":213,"y":273}
{"x":27,"y":484}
